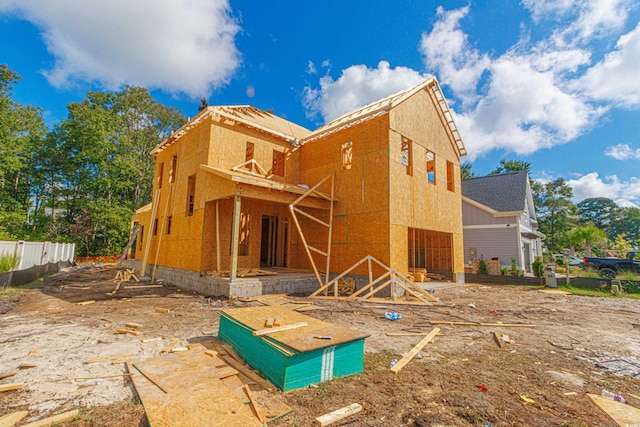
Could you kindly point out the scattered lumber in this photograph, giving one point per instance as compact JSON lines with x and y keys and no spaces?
{"x":254,"y":404}
{"x":109,"y":357}
{"x":279,"y":329}
{"x":6,"y":375}
{"x":211,"y":353}
{"x":86,"y":302}
{"x":143,"y":286}
{"x":415,"y":350}
{"x":13,"y":418}
{"x":27,"y":366}
{"x":144,"y":340}
{"x":162,"y":310}
{"x":338,"y":414}
{"x":504,"y":325}
{"x":11,"y":386}
{"x":60,"y":418}
{"x":248,"y":372}
{"x":126,"y":275}
{"x":170,"y":347}
{"x":133,"y":325}
{"x":497,"y":336}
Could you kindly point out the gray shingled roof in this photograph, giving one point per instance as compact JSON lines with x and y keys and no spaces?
{"x":504,"y":193}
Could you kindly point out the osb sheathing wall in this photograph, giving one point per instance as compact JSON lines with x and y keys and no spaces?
{"x":182,"y":247}
{"x":414,"y":201}
{"x":361,"y":217}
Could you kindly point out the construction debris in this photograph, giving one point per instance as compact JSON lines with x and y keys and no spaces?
{"x":338,"y":414}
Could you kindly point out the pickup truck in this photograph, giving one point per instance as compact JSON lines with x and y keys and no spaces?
{"x":610,"y":267}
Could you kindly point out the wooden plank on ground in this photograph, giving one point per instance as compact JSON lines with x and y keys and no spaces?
{"x":623,"y":414}
{"x":504,"y":325}
{"x":415,"y":350}
{"x":249,"y":373}
{"x":254,"y":404}
{"x":13,"y":418}
{"x":6,"y":375}
{"x":338,"y":414}
{"x":10,"y":387}
{"x":86,"y":302}
{"x":60,"y":418}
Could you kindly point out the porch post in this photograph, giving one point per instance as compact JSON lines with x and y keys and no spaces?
{"x":235,"y":237}
{"x":218,"y":236}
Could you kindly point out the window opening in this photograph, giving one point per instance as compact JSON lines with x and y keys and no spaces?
{"x":277,"y":168}
{"x":405,"y":155}
{"x":431,"y":167}
{"x":347,"y":155}
{"x":172,"y":173}
{"x":450,"y":176}
{"x":160,"y":173}
{"x":169,"y":218}
{"x":191,"y":194}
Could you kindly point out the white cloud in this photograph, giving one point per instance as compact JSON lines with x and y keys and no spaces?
{"x":177,"y":46}
{"x":624,"y":193}
{"x":358,"y":85}
{"x":623,"y":152}
{"x":615,"y":78}
{"x":525,"y":103}
{"x":311,"y":68}
{"x":446,"y":49}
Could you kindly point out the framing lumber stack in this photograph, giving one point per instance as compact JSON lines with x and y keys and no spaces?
{"x":295,"y":357}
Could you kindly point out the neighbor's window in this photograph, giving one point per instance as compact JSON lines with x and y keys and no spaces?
{"x":191,"y":194}
{"x":450,"y":175}
{"x":431,"y":167}
{"x":160,"y":173}
{"x":277,"y":167}
{"x":405,"y":155}
{"x":172,"y":173}
{"x":347,"y":156}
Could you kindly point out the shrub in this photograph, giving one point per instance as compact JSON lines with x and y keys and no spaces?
{"x":482,"y":267}
{"x":538,"y":267}
{"x":8,"y":262}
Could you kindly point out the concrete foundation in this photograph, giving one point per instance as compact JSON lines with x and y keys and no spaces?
{"x":282,"y":283}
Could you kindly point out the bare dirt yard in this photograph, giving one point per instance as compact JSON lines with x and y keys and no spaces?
{"x":539,"y":376}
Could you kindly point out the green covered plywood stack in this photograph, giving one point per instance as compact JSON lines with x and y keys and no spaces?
{"x":294,"y":358}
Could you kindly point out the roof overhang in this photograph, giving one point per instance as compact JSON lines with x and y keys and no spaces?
{"x":490,"y":210}
{"x":257,"y":187}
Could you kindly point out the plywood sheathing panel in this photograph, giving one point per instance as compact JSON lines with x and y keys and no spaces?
{"x":300,"y":339}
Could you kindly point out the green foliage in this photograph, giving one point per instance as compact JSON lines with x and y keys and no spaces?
{"x":515,"y":271}
{"x":556,"y":213}
{"x":621,"y":244}
{"x":466,"y":171}
{"x":587,"y":237}
{"x":8,"y":262}
{"x":482,"y":267}
{"x":599,"y":211}
{"x":538,"y":267}
{"x":507,"y":166}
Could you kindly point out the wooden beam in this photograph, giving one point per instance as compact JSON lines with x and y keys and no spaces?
{"x":415,"y":350}
{"x":218,"y":266}
{"x":60,"y":418}
{"x":338,"y":414}
{"x":13,"y":418}
{"x":147,"y":247}
{"x":279,"y":329}
{"x":504,"y":325}
{"x":164,"y":221}
{"x":235,"y":237}
{"x":254,"y":403}
{"x":10,"y":387}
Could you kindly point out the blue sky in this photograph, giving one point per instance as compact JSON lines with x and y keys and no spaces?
{"x":554,"y":83}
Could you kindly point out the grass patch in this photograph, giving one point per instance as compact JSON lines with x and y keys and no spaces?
{"x":7,"y":292}
{"x":599,"y":293}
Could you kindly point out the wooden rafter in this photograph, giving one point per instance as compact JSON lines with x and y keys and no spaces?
{"x":448,"y":117}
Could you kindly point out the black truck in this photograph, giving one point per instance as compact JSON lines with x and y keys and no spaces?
{"x":610,"y":267}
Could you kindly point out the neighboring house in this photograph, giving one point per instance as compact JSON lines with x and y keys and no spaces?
{"x":500,"y":220}
{"x":231,"y":191}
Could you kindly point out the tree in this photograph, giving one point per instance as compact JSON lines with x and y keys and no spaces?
{"x":555,"y":211}
{"x":627,"y":222}
{"x":622,"y":245}
{"x":507,"y":166}
{"x":466,"y":171}
{"x":21,"y":130}
{"x":600,"y":211}
{"x":586,"y":237}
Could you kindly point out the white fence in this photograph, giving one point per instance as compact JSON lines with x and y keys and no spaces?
{"x":38,"y":253}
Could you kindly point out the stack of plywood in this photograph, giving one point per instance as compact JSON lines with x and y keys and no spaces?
{"x":300,"y":351}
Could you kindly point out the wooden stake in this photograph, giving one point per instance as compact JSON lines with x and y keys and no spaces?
{"x":415,"y":350}
{"x":13,"y":418}
{"x":235,"y":236}
{"x":338,"y":414}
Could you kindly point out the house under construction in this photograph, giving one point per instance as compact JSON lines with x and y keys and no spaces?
{"x":239,"y":192}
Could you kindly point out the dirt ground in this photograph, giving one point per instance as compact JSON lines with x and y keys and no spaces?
{"x":463,"y":378}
